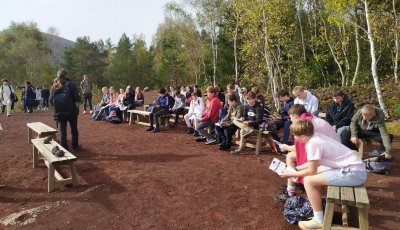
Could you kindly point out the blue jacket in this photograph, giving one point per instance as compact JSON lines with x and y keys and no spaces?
{"x":285,"y":108}
{"x":162,"y":101}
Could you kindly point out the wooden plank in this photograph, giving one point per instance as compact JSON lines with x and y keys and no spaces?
{"x":141,"y":112}
{"x":361,"y":147}
{"x":46,"y":153}
{"x":339,"y":227}
{"x":333,"y":194}
{"x":40,"y":127}
{"x":328,"y":215}
{"x":347,"y":196}
{"x":361,"y":196}
{"x":363,"y":218}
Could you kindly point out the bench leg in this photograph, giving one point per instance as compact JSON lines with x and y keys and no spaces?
{"x":35,"y":156}
{"x":258,"y":143}
{"x":130,"y":118}
{"x":363,"y":218}
{"x":51,"y":178}
{"x":73,"y":173}
{"x":29,"y":135}
{"x":328,"y":216}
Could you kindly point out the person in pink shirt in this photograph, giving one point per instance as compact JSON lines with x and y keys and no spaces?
{"x":209,"y":117}
{"x":297,"y":153}
{"x":329,"y":163}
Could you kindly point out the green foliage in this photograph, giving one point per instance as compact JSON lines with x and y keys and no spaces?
{"x":396,"y":111}
{"x":24,"y":55}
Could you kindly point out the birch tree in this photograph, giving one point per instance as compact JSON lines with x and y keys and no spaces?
{"x":373,"y":59}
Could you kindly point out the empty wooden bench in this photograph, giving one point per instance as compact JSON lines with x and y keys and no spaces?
{"x":135,"y":112}
{"x":41,"y":129}
{"x":55,"y":179}
{"x":347,"y":196}
{"x":259,"y":140}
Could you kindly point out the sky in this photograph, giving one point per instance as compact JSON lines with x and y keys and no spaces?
{"x":98,"y":19}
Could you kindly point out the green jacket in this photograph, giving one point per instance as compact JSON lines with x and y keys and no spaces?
{"x":375,"y":124}
{"x":234,"y":111}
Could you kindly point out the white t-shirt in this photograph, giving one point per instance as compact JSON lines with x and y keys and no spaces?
{"x":332,"y":154}
{"x":323,"y":127}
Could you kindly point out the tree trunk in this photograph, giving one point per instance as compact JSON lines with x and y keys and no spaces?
{"x":374,"y":61}
{"x":358,"y":50}
{"x":333,"y":52}
{"x":396,"y":43}
{"x":301,"y":31}
{"x":235,"y":49}
{"x":214,"y":56}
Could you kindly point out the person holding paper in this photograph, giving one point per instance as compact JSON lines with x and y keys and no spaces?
{"x":297,"y":154}
{"x":346,"y":168}
{"x":225,"y":129}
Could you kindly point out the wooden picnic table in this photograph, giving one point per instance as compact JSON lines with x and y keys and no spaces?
{"x":41,"y":129}
{"x":136,"y":112}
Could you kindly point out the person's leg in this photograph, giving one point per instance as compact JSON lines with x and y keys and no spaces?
{"x":312,"y":185}
{"x":85,"y":98}
{"x":73,"y":122}
{"x":201,"y":128}
{"x":372,"y":135}
{"x":187,"y":120}
{"x":3,"y":107}
{"x":8,"y":105}
{"x":157,"y":115}
{"x":286,"y":131}
{"x":25,"y":105}
{"x":345,"y":139}
{"x":291,"y":162}
{"x":220,"y":135}
{"x":177,"y":113}
{"x":30,"y":105}
{"x":229,"y":131}
{"x":340,"y":131}
{"x":90,"y":101}
{"x":62,"y":124}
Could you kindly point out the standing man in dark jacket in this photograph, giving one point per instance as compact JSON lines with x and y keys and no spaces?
{"x":339,"y":112}
{"x":86,"y":87}
{"x":29,"y":97}
{"x":45,"y":96}
{"x":63,"y":96}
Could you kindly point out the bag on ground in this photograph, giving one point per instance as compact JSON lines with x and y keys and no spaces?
{"x":297,"y":209}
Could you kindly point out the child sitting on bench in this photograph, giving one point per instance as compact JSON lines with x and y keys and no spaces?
{"x":329,"y":163}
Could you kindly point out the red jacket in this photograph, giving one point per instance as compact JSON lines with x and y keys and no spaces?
{"x":301,"y":154}
{"x":213,"y":110}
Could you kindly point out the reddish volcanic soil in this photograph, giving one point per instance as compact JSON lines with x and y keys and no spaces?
{"x":133,"y":179}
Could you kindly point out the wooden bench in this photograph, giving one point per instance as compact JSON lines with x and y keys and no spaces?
{"x":162,"y":119}
{"x":41,"y":129}
{"x":55,"y":179}
{"x":136,"y":112}
{"x":259,"y":139}
{"x":347,"y":196}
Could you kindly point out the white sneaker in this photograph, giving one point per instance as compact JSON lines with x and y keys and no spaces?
{"x":91,"y":111}
{"x":84,"y":111}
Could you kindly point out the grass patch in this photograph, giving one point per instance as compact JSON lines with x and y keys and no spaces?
{"x":394,"y":127}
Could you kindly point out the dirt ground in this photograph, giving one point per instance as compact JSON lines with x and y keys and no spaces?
{"x":133,"y":179}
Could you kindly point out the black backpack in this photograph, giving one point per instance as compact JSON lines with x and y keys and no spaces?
{"x":171,"y":101}
{"x":380,"y":165}
{"x":297,"y":209}
{"x":62,"y":100}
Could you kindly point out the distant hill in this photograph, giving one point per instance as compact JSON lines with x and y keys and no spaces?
{"x":57,"y":45}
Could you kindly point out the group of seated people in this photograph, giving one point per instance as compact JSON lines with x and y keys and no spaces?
{"x":115,"y":103}
{"x":319,"y":151}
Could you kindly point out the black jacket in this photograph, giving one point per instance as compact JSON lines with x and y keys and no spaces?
{"x":254,"y":114}
{"x":74,"y":93}
{"x":340,"y":115}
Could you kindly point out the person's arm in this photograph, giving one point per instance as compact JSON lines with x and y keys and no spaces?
{"x":310,"y":169}
{"x":385,"y":137}
{"x":81,"y":85}
{"x":328,"y":116}
{"x":314,"y":105}
{"x":347,"y":117}
{"x":354,"y":127}
{"x":289,"y":148}
{"x":259,"y":116}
